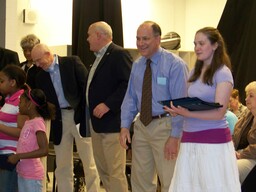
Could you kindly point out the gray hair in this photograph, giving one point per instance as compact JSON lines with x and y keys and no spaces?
{"x":41,"y":48}
{"x":29,"y":41}
{"x":103,"y":28}
{"x":251,"y":86}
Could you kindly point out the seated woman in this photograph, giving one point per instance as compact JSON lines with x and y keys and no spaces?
{"x":244,"y":136}
{"x":235,"y":105}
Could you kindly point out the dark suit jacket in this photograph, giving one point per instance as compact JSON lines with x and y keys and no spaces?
{"x":73,"y":77}
{"x":109,"y":85}
{"x":8,"y":57}
{"x":31,"y":73}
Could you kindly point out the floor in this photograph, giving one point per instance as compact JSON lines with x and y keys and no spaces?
{"x":49,"y":184}
{"x":50,"y":168}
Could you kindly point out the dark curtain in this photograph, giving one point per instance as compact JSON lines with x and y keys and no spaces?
{"x":238,"y":27}
{"x":86,"y":12}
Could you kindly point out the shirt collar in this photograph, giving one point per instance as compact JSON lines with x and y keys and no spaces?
{"x":156,"y":56}
{"x":102,"y":51}
{"x":14,"y":96}
{"x":55,"y":62}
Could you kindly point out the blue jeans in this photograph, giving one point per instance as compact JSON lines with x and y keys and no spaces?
{"x":8,"y":181}
{"x":29,"y":185}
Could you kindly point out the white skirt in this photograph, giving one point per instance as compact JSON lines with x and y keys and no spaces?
{"x":204,"y":167}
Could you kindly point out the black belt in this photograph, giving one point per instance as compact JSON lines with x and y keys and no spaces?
{"x":67,"y":108}
{"x":161,"y":116}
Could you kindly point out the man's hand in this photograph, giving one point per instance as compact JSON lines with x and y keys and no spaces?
{"x":100,"y":110}
{"x":124,"y":137}
{"x":171,"y":148}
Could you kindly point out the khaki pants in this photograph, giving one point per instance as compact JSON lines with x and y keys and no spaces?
{"x":64,"y":157}
{"x":148,"y":160}
{"x":110,"y":159}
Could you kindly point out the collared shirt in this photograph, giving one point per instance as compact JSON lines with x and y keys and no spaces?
{"x":169,"y":81}
{"x":99,"y":56}
{"x":54,"y":71}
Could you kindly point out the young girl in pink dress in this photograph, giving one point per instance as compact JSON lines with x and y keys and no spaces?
{"x":33,"y":142}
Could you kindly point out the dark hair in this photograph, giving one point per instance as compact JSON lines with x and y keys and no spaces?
{"x":220,"y":56}
{"x":44,"y":108}
{"x":155,"y":27}
{"x":16,"y":73}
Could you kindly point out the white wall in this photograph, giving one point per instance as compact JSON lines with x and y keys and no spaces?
{"x":136,"y":11}
{"x":11,"y":28}
{"x":182,"y":16}
{"x":55,"y":19}
{"x":199,"y":14}
{"x":54,"y":26}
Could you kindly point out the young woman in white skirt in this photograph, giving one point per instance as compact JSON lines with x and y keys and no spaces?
{"x":206,"y":161}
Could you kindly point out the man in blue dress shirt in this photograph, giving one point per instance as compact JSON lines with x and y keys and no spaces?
{"x":154,"y":146}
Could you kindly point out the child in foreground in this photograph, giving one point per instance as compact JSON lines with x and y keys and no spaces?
{"x":33,"y":142}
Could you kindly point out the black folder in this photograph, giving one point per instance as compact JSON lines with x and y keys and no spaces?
{"x":192,"y":104}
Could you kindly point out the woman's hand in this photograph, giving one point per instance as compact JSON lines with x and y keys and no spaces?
{"x":237,"y":155}
{"x":170,"y":110}
{"x":174,"y":111}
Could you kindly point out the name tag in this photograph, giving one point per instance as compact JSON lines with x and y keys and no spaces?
{"x":161,"y":80}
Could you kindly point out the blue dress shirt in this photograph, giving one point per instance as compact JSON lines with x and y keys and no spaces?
{"x":54,"y":71}
{"x":169,"y":81}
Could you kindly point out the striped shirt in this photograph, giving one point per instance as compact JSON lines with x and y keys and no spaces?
{"x":8,"y":116}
